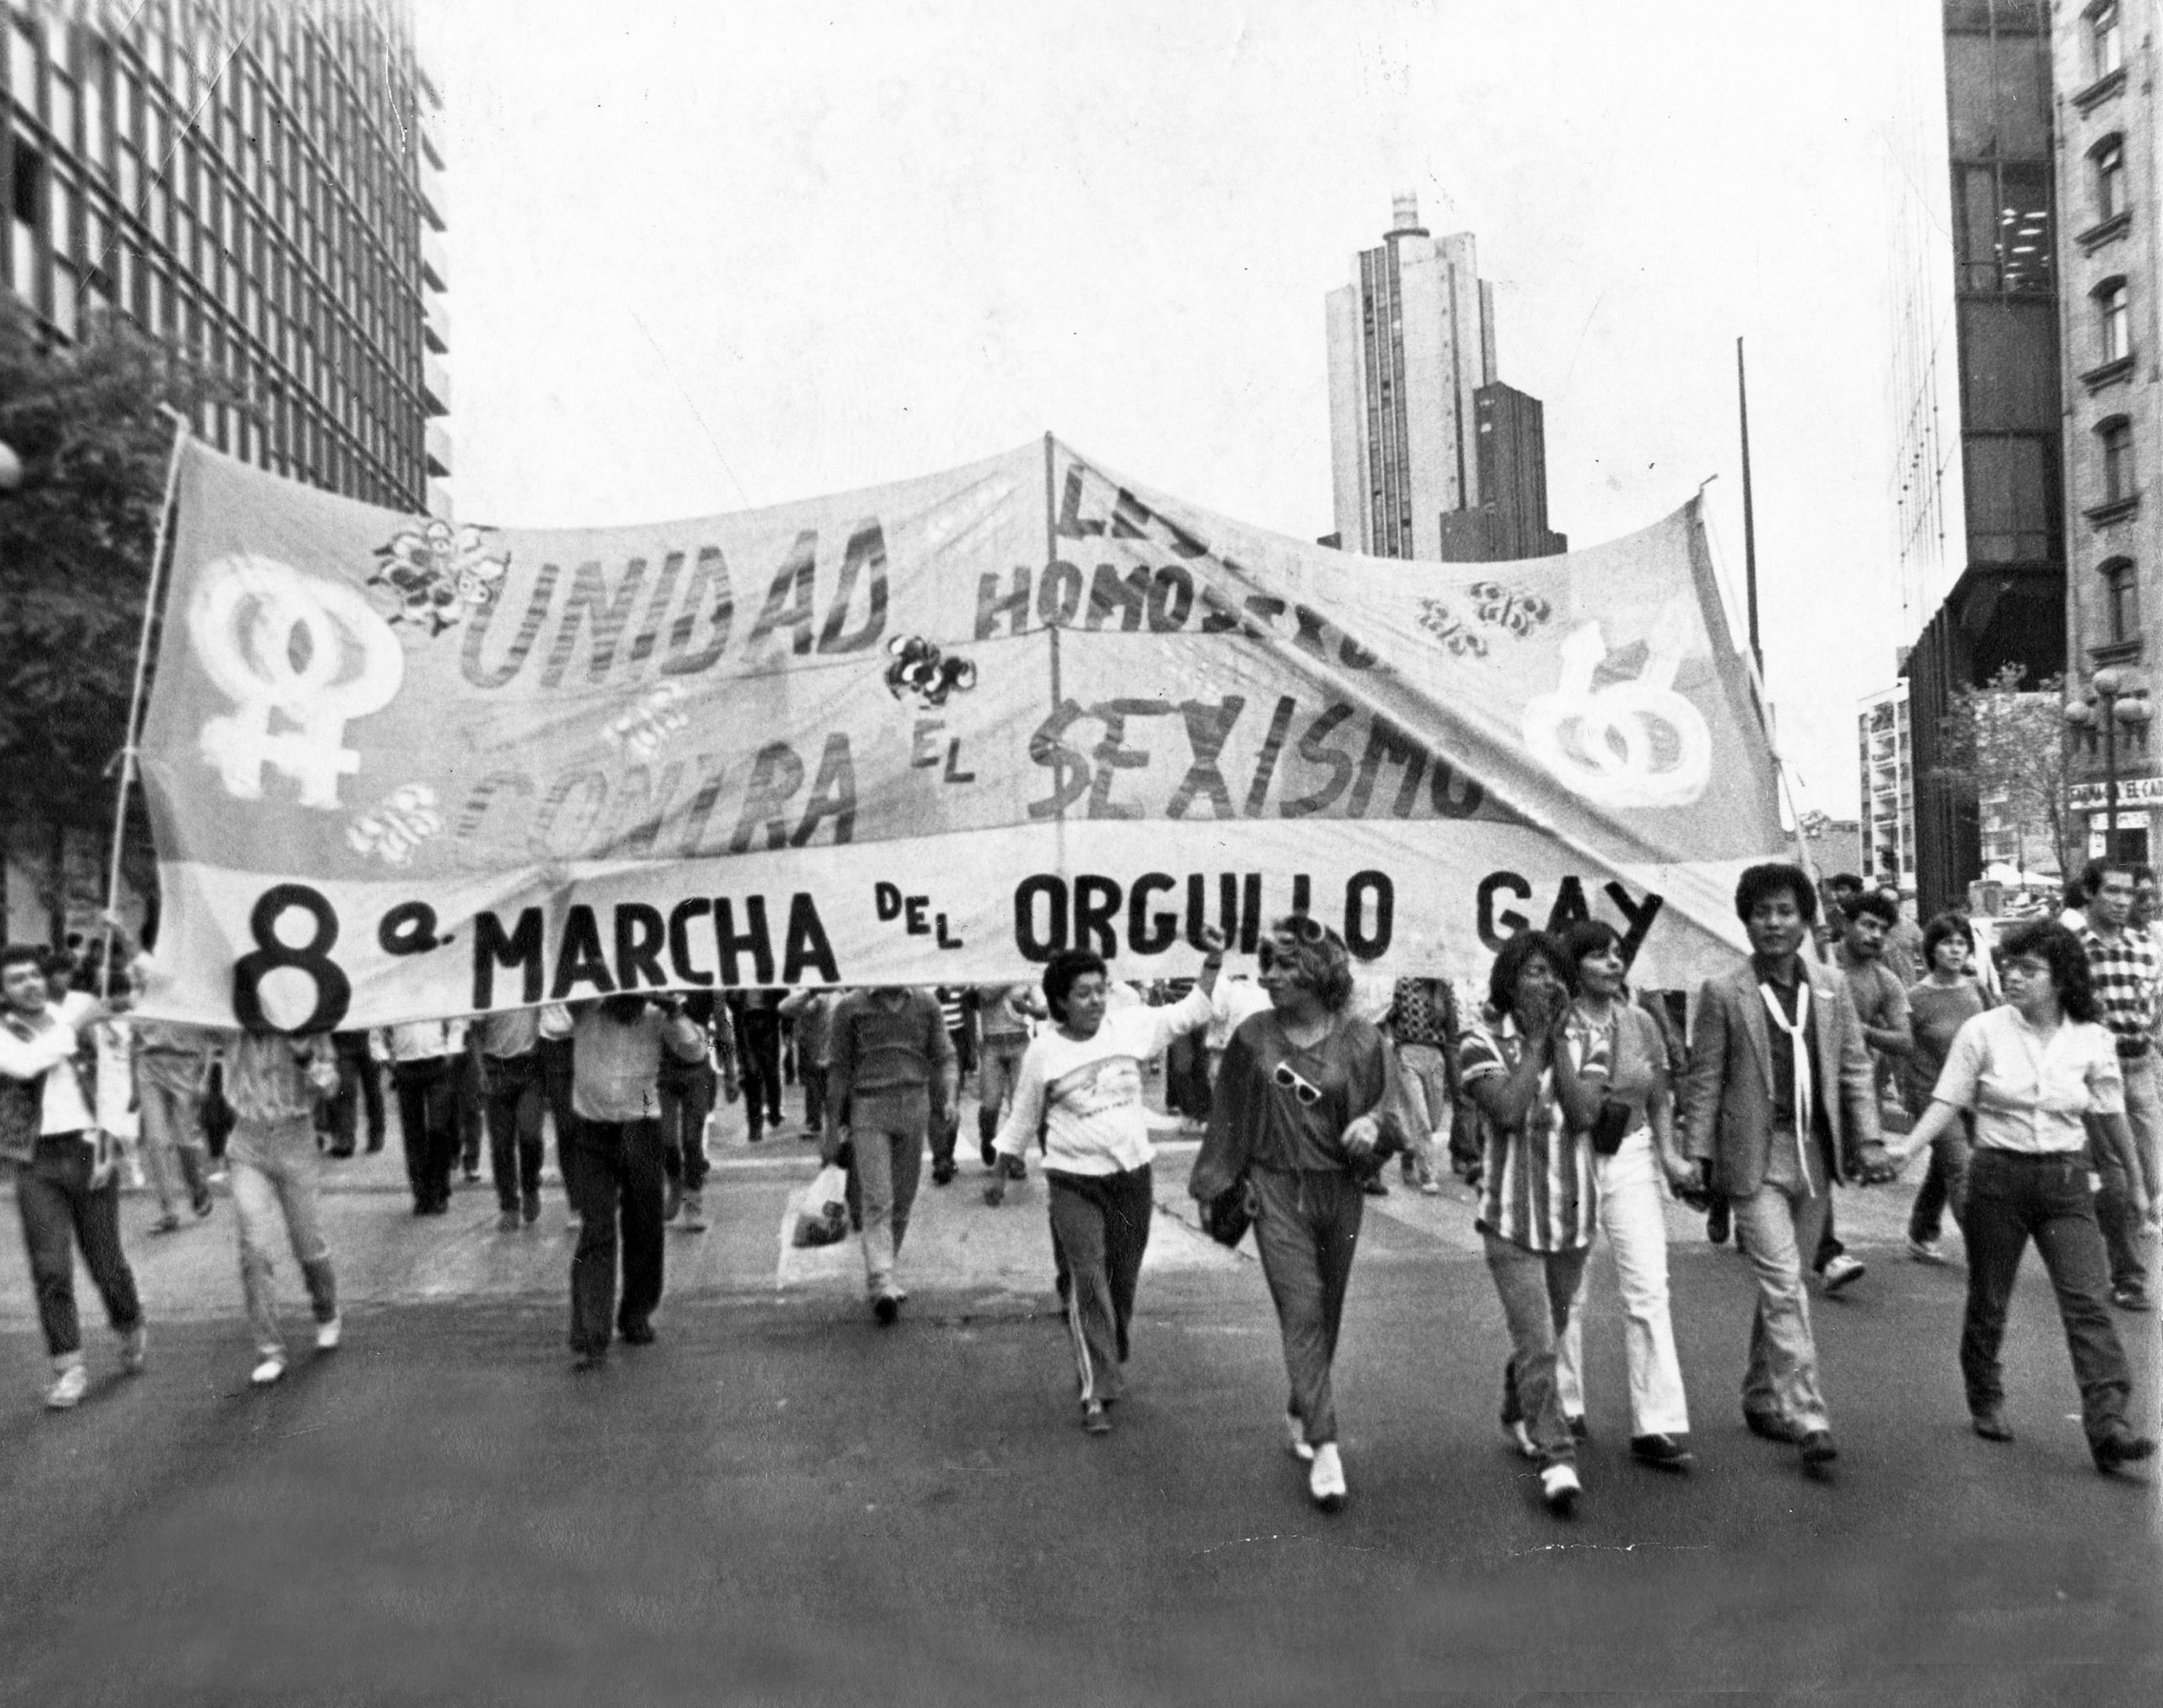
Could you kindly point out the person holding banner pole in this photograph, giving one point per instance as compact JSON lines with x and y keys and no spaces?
{"x":423,"y":1057}
{"x":617,"y":1048}
{"x":891,"y":1076}
{"x":274,"y":1081}
{"x":1296,"y":1115}
{"x":1080,"y":1085}
{"x":66,"y":1187}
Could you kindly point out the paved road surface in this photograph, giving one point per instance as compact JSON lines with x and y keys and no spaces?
{"x":779,"y":1502}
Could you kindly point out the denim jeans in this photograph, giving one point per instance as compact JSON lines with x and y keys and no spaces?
{"x":1940,"y":1187}
{"x":2123,"y":1234}
{"x":617,"y":1183}
{"x":1306,"y":1227}
{"x":887,"y":1142}
{"x":172,"y":1142}
{"x":686,"y":1091}
{"x":60,"y":1211}
{"x":273,"y":1167}
{"x":2012,"y":1199}
{"x":1536,"y":1288}
{"x":1100,"y":1229}
{"x":514,"y":1126}
{"x":1774,"y":1224}
{"x":1633,"y":1216}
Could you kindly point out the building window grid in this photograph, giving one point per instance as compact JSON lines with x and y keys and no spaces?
{"x":2113,"y":300}
{"x":2107,"y":49}
{"x":2120,"y":601}
{"x":359,"y":459}
{"x":2107,"y":170}
{"x":2114,"y":459}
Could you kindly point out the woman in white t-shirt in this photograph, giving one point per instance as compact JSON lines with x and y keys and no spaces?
{"x":1080,"y":1085}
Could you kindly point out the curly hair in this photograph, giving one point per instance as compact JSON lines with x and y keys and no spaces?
{"x":1872,"y":904}
{"x":1066,"y":969}
{"x":1315,"y":957}
{"x":1758,"y":882}
{"x":1502,"y":981}
{"x":2058,"y":949}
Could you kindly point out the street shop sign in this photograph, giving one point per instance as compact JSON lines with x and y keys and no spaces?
{"x":926,"y":732}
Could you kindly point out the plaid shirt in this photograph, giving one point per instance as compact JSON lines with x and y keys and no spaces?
{"x":2124,"y":973}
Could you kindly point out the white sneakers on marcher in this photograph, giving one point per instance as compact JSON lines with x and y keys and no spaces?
{"x":70,"y":1383}
{"x":1326,"y":1478}
{"x":327,"y":1333}
{"x":1296,"y":1437}
{"x":268,"y":1371}
{"x":1559,"y":1488}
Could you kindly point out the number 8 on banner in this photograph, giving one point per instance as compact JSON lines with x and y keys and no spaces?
{"x":334,"y":991}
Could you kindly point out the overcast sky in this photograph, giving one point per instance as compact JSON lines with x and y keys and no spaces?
{"x":705,"y":256}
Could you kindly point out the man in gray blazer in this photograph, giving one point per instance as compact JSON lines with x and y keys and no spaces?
{"x":1781,"y":1105}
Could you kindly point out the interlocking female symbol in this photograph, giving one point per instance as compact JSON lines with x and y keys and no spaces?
{"x":1603,"y":744}
{"x":311,"y":651}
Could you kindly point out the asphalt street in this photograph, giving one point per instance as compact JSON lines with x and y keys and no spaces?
{"x":780,"y":1502}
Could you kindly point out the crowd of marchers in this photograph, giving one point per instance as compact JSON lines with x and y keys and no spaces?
{"x":1573,"y":1108}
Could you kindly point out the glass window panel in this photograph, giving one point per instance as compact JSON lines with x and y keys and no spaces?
{"x":22,"y":63}
{"x":2114,"y":311}
{"x":62,"y":233}
{"x":60,"y":108}
{"x":64,"y":298}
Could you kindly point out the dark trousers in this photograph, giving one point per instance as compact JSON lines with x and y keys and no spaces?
{"x":1306,"y":1227}
{"x":1100,"y":1228}
{"x":554,"y":1056}
{"x":428,"y":1117}
{"x":1942,"y":1182}
{"x":2014,"y":1198}
{"x":617,"y":1185}
{"x":1828,"y":1246}
{"x":360,"y":1089}
{"x":686,"y":1090}
{"x":758,"y":1058}
{"x":472,"y":1112}
{"x":60,"y":1212}
{"x":1186,"y":1075}
{"x":514,"y":1127}
{"x":812,"y":1076}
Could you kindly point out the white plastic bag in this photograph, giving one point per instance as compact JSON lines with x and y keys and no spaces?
{"x":824,"y":1219}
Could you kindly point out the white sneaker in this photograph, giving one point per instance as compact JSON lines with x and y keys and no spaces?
{"x":268,"y":1371}
{"x":1843,"y":1271}
{"x":326,"y":1334}
{"x":1326,"y":1480}
{"x":1523,"y":1436}
{"x":1296,"y":1431}
{"x":69,"y":1385}
{"x":1560,"y":1488}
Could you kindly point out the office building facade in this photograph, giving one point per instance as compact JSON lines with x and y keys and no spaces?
{"x":259,"y":181}
{"x":2105,"y":58}
{"x":1885,"y":751}
{"x":2008,"y":604}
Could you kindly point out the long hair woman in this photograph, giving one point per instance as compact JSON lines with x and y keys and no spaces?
{"x":1537,"y":1079}
{"x":1297,"y":1115}
{"x":1080,"y":1084}
{"x":1636,"y":1155}
{"x":2037,"y":1074}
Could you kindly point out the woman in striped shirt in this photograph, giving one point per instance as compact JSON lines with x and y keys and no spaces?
{"x":1537,"y":1079}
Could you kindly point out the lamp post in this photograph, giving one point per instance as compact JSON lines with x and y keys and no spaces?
{"x":2115,"y":697}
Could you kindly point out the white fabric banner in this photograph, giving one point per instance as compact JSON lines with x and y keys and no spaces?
{"x":928,"y":732}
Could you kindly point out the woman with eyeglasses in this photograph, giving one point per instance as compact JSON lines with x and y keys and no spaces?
{"x":1537,"y":1079}
{"x":1080,"y":1084}
{"x":1635,"y":1156}
{"x":1298,"y":1115}
{"x":2041,"y":1076}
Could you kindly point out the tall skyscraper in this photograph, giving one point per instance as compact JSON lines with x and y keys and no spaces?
{"x":261,"y":181}
{"x":1417,"y":455}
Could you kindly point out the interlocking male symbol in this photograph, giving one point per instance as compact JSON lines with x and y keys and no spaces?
{"x":1603,"y":744}
{"x":311,"y":650}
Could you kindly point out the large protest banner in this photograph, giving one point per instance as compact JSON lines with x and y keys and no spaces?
{"x":924,"y":732}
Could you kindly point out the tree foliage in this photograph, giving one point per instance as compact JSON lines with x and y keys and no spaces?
{"x":2007,"y":743}
{"x":75,"y":544}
